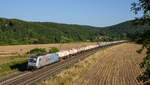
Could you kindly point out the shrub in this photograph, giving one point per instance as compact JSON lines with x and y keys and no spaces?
{"x":54,"y":49}
{"x":37,"y":51}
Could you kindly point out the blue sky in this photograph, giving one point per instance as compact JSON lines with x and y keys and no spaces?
{"x":85,"y":12}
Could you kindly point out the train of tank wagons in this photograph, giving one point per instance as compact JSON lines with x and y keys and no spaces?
{"x":41,"y":60}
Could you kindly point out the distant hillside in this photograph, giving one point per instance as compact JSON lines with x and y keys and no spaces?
{"x":126,"y":28}
{"x":14,"y":31}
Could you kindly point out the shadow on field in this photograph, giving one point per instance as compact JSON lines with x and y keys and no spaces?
{"x":20,"y":66}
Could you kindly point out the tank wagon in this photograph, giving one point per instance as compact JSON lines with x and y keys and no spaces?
{"x":41,"y":60}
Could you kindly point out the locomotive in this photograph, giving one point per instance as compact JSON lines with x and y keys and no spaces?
{"x":41,"y":60}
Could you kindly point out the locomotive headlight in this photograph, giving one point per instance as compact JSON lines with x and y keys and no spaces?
{"x":34,"y":59}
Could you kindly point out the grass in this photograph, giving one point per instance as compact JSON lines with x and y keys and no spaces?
{"x":8,"y":73}
{"x":67,"y":76}
{"x":5,"y":60}
{"x":12,"y":67}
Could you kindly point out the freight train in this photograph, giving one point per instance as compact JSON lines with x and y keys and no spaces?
{"x":42,"y":60}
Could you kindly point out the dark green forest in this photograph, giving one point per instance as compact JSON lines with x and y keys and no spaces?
{"x":127,"y":28}
{"x":14,"y":32}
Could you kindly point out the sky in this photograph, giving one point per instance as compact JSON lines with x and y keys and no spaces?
{"x":97,"y":13}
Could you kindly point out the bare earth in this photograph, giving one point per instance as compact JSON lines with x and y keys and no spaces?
{"x":120,"y":66}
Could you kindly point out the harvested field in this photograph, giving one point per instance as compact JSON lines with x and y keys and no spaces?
{"x":21,"y":49}
{"x":8,"y":52}
{"x":118,"y":65}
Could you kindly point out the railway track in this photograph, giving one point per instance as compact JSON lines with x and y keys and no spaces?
{"x":30,"y":78}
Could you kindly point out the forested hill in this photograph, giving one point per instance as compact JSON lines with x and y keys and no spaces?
{"x":125,"y":28}
{"x":14,"y":31}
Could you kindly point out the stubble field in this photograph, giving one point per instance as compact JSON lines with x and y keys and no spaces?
{"x":8,"y":53}
{"x":117,"y":65}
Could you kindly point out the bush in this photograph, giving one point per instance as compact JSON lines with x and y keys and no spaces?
{"x":54,"y":49}
{"x":37,"y":51}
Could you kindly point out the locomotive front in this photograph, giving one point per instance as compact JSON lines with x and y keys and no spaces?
{"x":32,"y":62}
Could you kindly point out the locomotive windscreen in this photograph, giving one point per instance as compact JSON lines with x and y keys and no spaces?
{"x":33,"y":60}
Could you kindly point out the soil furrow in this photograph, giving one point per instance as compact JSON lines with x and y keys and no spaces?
{"x":118,"y":66}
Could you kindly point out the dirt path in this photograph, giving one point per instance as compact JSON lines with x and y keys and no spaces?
{"x":119,"y":66}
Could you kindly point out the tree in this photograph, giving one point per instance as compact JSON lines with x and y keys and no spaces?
{"x":37,"y":51}
{"x":43,"y":40}
{"x":144,"y":38}
{"x":144,"y":7}
{"x":54,"y":49}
